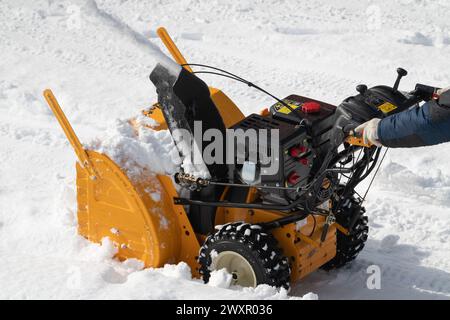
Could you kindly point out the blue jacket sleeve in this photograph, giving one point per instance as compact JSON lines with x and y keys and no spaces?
{"x":416,"y":127}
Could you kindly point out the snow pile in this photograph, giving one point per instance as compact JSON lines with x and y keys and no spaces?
{"x":99,"y":252}
{"x":139,"y":150}
{"x":220,"y":279}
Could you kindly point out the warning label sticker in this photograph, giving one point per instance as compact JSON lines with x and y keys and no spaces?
{"x":285,"y":110}
{"x":387,"y":107}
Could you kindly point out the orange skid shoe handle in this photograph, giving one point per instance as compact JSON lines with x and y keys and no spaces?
{"x":68,"y":130}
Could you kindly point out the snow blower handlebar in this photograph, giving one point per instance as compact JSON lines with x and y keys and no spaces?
{"x":379,"y":102}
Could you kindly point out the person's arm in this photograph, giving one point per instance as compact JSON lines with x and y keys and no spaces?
{"x":416,"y":127}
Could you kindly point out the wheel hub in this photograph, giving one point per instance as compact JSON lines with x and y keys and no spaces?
{"x":240,"y":269}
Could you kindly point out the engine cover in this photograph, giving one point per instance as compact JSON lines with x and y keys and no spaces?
{"x":302,"y":141}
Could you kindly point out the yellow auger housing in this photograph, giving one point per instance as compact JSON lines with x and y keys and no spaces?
{"x":111,"y":205}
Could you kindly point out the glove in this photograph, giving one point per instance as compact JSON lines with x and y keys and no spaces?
{"x":444,"y":97}
{"x":443,"y":90}
{"x":369,"y":132}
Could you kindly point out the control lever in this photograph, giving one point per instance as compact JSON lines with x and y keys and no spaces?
{"x":361,"y":88}
{"x":425,"y":92}
{"x":353,"y":137}
{"x":401,"y":73}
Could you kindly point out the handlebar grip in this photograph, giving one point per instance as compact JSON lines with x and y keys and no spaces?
{"x":425,"y":92}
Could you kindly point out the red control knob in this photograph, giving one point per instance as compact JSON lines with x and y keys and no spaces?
{"x":296,"y":151}
{"x":311,"y":107}
{"x":304,"y":161}
{"x":293,"y":178}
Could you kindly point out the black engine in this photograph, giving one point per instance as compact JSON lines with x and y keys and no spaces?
{"x":301,"y":145}
{"x":312,"y":153}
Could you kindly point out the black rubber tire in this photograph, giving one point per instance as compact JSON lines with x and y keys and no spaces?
{"x":349,"y":246}
{"x":258,"y":247}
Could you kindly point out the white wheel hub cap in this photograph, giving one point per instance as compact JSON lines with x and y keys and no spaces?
{"x":240,"y":269}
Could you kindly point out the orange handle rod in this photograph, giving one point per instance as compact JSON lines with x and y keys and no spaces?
{"x":172,"y":47}
{"x":70,"y":134}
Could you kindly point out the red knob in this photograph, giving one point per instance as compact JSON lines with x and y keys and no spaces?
{"x":293,"y":178}
{"x":304,"y":161}
{"x":296,"y":151}
{"x":311,"y":107}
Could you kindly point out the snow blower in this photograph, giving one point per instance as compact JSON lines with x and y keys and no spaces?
{"x":263,"y":225}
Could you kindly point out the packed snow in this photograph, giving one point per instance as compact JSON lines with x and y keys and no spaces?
{"x":97,"y":55}
{"x":150,"y":150}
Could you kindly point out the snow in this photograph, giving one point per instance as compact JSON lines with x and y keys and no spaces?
{"x":156,"y":196}
{"x":97,"y":55}
{"x":126,"y":35}
{"x":138,"y":151}
{"x":220,"y":279}
{"x":300,"y":224}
